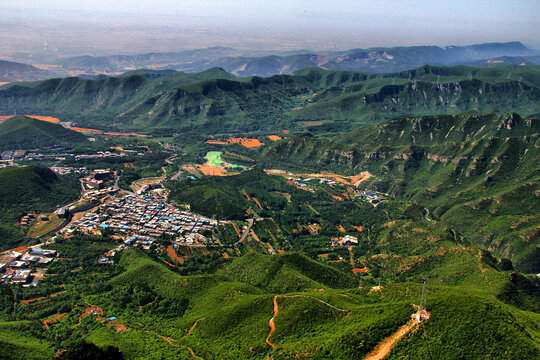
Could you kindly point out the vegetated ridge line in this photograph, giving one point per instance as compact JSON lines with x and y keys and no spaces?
{"x":272,"y":323}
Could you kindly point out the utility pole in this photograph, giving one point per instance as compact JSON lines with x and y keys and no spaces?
{"x":423,"y":299}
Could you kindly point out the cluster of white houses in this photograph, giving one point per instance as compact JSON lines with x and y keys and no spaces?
{"x":14,"y":265}
{"x":370,"y":196}
{"x":346,"y":240}
{"x":143,"y":217}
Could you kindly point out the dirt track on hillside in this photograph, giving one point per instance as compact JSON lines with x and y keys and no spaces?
{"x":384,"y":348}
{"x":386,"y":345}
{"x":272,"y":322}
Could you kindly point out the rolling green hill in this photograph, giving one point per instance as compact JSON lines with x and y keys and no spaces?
{"x":216,"y":316}
{"x":223,"y":198}
{"x":312,"y":99}
{"x":287,"y":273}
{"x":477,"y":172}
{"x":21,"y":132}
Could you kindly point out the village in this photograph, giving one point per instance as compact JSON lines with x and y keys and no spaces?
{"x":25,"y":265}
{"x":140,"y":218}
{"x":312,"y":182}
{"x":13,"y":157}
{"x":143,"y":219}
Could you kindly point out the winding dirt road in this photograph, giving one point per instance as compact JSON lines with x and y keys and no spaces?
{"x":272,"y":324}
{"x":384,"y":347}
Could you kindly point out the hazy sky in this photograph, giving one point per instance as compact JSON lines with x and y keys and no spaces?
{"x":347,"y":23}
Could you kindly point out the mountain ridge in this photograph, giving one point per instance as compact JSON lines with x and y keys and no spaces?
{"x":376,"y":59}
{"x":312,"y":99}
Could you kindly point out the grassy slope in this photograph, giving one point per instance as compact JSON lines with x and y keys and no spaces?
{"x":236,"y":319}
{"x":285,"y":273}
{"x":19,"y":342}
{"x":222,"y":197}
{"x":232,"y":316}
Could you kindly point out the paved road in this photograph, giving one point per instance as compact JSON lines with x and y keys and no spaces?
{"x":175,"y":176}
{"x":427,"y":214}
{"x":245,"y":234}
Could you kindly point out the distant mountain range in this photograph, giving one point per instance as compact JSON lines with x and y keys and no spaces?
{"x":379,"y":59}
{"x":373,"y":59}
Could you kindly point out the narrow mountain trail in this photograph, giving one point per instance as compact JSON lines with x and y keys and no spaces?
{"x":171,"y":341}
{"x":246,"y":232}
{"x":168,"y":340}
{"x":53,"y":319}
{"x":384,"y":348}
{"x":193,"y":327}
{"x":426,"y":214}
{"x":272,"y":322}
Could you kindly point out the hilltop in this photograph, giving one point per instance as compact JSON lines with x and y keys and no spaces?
{"x":286,"y":273}
{"x":315,"y":100}
{"x":22,"y":132}
{"x":223,"y":197}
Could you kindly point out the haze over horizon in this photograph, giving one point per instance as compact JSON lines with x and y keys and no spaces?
{"x":104,"y":27}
